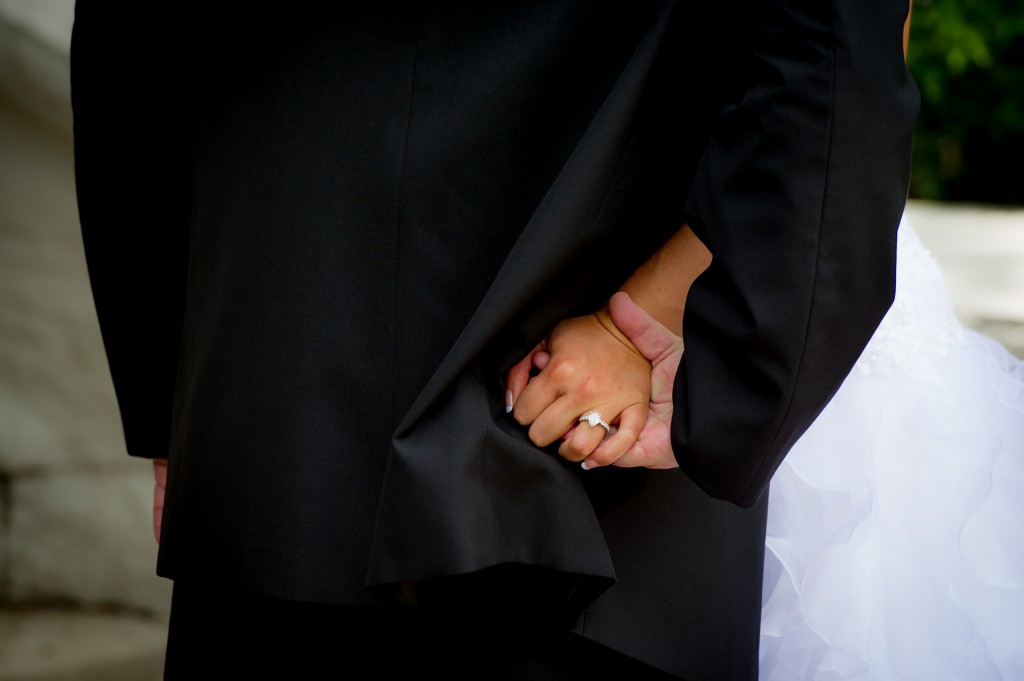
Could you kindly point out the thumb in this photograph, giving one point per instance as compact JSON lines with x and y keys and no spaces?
{"x":651,"y":339}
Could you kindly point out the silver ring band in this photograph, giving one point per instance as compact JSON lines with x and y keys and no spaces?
{"x":594,"y":419}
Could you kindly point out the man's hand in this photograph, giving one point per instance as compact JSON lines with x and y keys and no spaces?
{"x":664,"y":350}
{"x":160,"y":475}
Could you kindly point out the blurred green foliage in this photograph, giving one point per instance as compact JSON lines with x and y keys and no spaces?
{"x":968,"y":59}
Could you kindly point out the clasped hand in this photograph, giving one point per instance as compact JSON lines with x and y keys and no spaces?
{"x":619,"y":362}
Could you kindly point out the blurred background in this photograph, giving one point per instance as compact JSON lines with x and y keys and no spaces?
{"x":968,"y":59}
{"x":78,"y":595}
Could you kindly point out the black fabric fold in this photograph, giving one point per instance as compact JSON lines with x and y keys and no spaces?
{"x":465,"y":493}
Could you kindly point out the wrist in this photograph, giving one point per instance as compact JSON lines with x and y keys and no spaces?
{"x":603,"y":318}
{"x":661,"y":284}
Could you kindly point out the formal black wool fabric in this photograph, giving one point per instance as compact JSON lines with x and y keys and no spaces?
{"x":319,"y":233}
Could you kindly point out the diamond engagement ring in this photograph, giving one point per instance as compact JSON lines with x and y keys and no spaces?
{"x":594,"y":419}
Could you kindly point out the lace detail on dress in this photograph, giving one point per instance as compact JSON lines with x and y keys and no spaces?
{"x":922,"y":302}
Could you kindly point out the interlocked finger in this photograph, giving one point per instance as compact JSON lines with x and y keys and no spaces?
{"x":608,"y":450}
{"x":590,"y":430}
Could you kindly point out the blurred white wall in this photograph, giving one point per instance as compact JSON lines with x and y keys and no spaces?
{"x":75,"y":510}
{"x":981,"y":250}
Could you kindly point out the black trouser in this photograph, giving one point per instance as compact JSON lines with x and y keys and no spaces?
{"x":221,"y":634}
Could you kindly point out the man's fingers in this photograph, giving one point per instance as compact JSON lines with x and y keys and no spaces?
{"x":519,"y":375}
{"x":653,"y":449}
{"x":160,"y":472}
{"x":650,"y":338}
{"x":517,"y":378}
{"x":159,"y":489}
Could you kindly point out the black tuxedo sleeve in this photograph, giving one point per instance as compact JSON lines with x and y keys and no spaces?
{"x":133,"y":177}
{"x":798,"y":196}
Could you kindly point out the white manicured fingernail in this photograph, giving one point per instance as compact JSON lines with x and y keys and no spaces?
{"x":508,"y":400}
{"x":584,"y":465}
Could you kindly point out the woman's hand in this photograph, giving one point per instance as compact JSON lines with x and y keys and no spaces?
{"x":586,"y":364}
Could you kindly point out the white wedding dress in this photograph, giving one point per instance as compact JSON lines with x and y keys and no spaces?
{"x":895,"y":545}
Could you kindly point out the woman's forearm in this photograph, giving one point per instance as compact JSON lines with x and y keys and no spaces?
{"x":660,"y":285}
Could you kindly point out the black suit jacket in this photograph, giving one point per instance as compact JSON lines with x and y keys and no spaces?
{"x":318,"y":237}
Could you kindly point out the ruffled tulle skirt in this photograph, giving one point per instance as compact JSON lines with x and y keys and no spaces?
{"x":895,"y":545}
